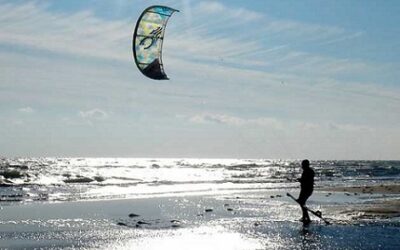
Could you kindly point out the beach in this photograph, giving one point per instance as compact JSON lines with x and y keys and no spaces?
{"x":193,"y":204}
{"x":251,"y":220}
{"x":379,"y":204}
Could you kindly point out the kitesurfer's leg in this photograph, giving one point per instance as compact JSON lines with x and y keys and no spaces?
{"x":304,"y":195}
{"x":305,"y":218}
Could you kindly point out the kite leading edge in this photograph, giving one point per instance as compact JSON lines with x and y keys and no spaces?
{"x":148,"y":39}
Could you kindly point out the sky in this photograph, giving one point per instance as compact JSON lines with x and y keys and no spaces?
{"x":248,"y":79}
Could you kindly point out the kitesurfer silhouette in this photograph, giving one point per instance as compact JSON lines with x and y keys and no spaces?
{"x":307,"y":187}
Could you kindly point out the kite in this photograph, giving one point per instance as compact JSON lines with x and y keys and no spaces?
{"x":148,"y":39}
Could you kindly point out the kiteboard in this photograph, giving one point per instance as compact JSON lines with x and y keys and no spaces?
{"x":316,"y":213}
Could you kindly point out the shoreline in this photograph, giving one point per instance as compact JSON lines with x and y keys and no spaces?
{"x":366,"y":189}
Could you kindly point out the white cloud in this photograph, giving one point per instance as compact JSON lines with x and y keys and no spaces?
{"x":217,"y":118}
{"x":274,"y":123}
{"x":349,"y":127}
{"x":26,"y":110}
{"x":217,"y":8}
{"x":93,"y":114}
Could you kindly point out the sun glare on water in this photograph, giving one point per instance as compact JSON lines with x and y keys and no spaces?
{"x":218,"y":238}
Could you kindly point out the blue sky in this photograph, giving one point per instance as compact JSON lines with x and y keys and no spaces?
{"x":253,"y":79}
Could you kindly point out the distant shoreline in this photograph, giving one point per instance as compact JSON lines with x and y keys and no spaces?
{"x":371,"y":189}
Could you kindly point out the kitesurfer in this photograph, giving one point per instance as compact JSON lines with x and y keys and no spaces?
{"x":307,"y":187}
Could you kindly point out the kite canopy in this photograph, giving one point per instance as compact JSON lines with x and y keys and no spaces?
{"x":148,"y":39}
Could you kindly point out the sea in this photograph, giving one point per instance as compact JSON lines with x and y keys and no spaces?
{"x":76,"y":179}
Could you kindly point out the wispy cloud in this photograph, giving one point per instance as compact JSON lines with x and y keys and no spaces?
{"x":349,"y":127}
{"x":93,"y":114}
{"x":268,"y":43}
{"x":26,"y":110}
{"x":304,"y":31}
{"x":346,"y":37}
{"x":85,"y":118}
{"x":217,"y":8}
{"x":274,"y":123}
{"x":234,"y":120}
{"x":211,"y":37}
{"x":82,"y":34}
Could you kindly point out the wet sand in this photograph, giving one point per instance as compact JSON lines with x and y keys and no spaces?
{"x":370,"y":189}
{"x":253,"y":220}
{"x":383,"y":201}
